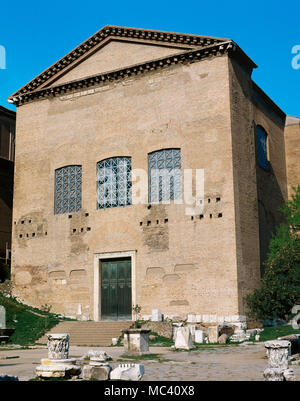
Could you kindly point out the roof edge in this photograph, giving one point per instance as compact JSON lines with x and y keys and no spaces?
{"x":292,"y":120}
{"x":8,"y":112}
{"x":113,"y":31}
{"x":190,"y":56}
{"x":269,"y":100}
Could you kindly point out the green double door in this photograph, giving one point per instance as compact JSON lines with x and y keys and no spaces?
{"x":116,"y":289}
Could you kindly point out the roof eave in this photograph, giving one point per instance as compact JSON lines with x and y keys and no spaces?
{"x":114,"y":31}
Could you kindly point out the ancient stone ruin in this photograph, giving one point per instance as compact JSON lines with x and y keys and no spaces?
{"x":58,"y":363}
{"x":136,"y":341}
{"x":278,"y":367}
{"x":184,"y":338}
{"x":5,"y":333}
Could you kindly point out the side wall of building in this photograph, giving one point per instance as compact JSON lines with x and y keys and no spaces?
{"x":272,"y":183}
{"x":292,"y":150}
{"x":183,"y":265}
{"x":255,"y":189}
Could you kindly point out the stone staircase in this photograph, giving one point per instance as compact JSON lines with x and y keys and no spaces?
{"x":89,"y":333}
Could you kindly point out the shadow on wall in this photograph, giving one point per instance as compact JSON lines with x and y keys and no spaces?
{"x":270,"y":200}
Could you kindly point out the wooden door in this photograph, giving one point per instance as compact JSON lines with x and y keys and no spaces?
{"x":116,"y":289}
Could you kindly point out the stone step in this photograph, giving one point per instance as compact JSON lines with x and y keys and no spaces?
{"x":89,"y":333}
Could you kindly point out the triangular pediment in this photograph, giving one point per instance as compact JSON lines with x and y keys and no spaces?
{"x":142,"y":46}
{"x":115,"y":54}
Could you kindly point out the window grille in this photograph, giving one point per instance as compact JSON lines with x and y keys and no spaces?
{"x":114,"y":182}
{"x":68,"y":182}
{"x":164,"y":170}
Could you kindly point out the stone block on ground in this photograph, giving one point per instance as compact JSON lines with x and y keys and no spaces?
{"x":223,"y":339}
{"x":127,"y":371}
{"x":156,"y":315}
{"x":136,"y":341}
{"x":57,"y":370}
{"x":175,"y":328}
{"x":193,"y":328}
{"x":2,"y":317}
{"x":239,"y":336}
{"x":199,"y":336}
{"x":102,"y":355}
{"x":100,"y":372}
{"x":213,"y":334}
{"x":183,"y":339}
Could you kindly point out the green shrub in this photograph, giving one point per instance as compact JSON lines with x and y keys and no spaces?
{"x":279,"y":290}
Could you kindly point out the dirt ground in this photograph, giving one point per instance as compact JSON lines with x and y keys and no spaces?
{"x":232,"y":363}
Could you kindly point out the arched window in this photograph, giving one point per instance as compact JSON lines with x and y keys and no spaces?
{"x":262,"y":150}
{"x":114,"y":182}
{"x":164,"y":175}
{"x":68,"y":189}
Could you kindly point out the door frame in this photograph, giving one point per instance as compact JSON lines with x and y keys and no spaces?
{"x":97,"y":283}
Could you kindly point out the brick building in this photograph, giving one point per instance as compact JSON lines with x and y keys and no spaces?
{"x":7,"y":149}
{"x":129,"y":99}
{"x":292,"y":148}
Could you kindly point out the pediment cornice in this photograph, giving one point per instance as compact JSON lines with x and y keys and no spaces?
{"x":187,"y":57}
{"x":113,"y":32}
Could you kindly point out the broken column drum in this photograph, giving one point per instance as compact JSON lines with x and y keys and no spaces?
{"x":278,"y":369}
{"x":58,"y":346}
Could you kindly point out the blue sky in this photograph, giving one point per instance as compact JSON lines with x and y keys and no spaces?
{"x":35,"y":34}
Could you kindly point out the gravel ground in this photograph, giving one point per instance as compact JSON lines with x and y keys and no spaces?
{"x":231,"y":363}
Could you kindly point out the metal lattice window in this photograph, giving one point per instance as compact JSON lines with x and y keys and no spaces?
{"x":114,"y":182}
{"x":164,"y":175}
{"x":68,"y":189}
{"x":262,"y":152}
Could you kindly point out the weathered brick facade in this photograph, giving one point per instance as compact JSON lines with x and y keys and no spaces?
{"x":292,"y":149}
{"x":203,"y":102}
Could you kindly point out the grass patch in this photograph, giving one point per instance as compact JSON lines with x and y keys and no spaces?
{"x":29,"y":323}
{"x":47,"y":379}
{"x":141,"y":357}
{"x":272,"y":333}
{"x":160,"y":341}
